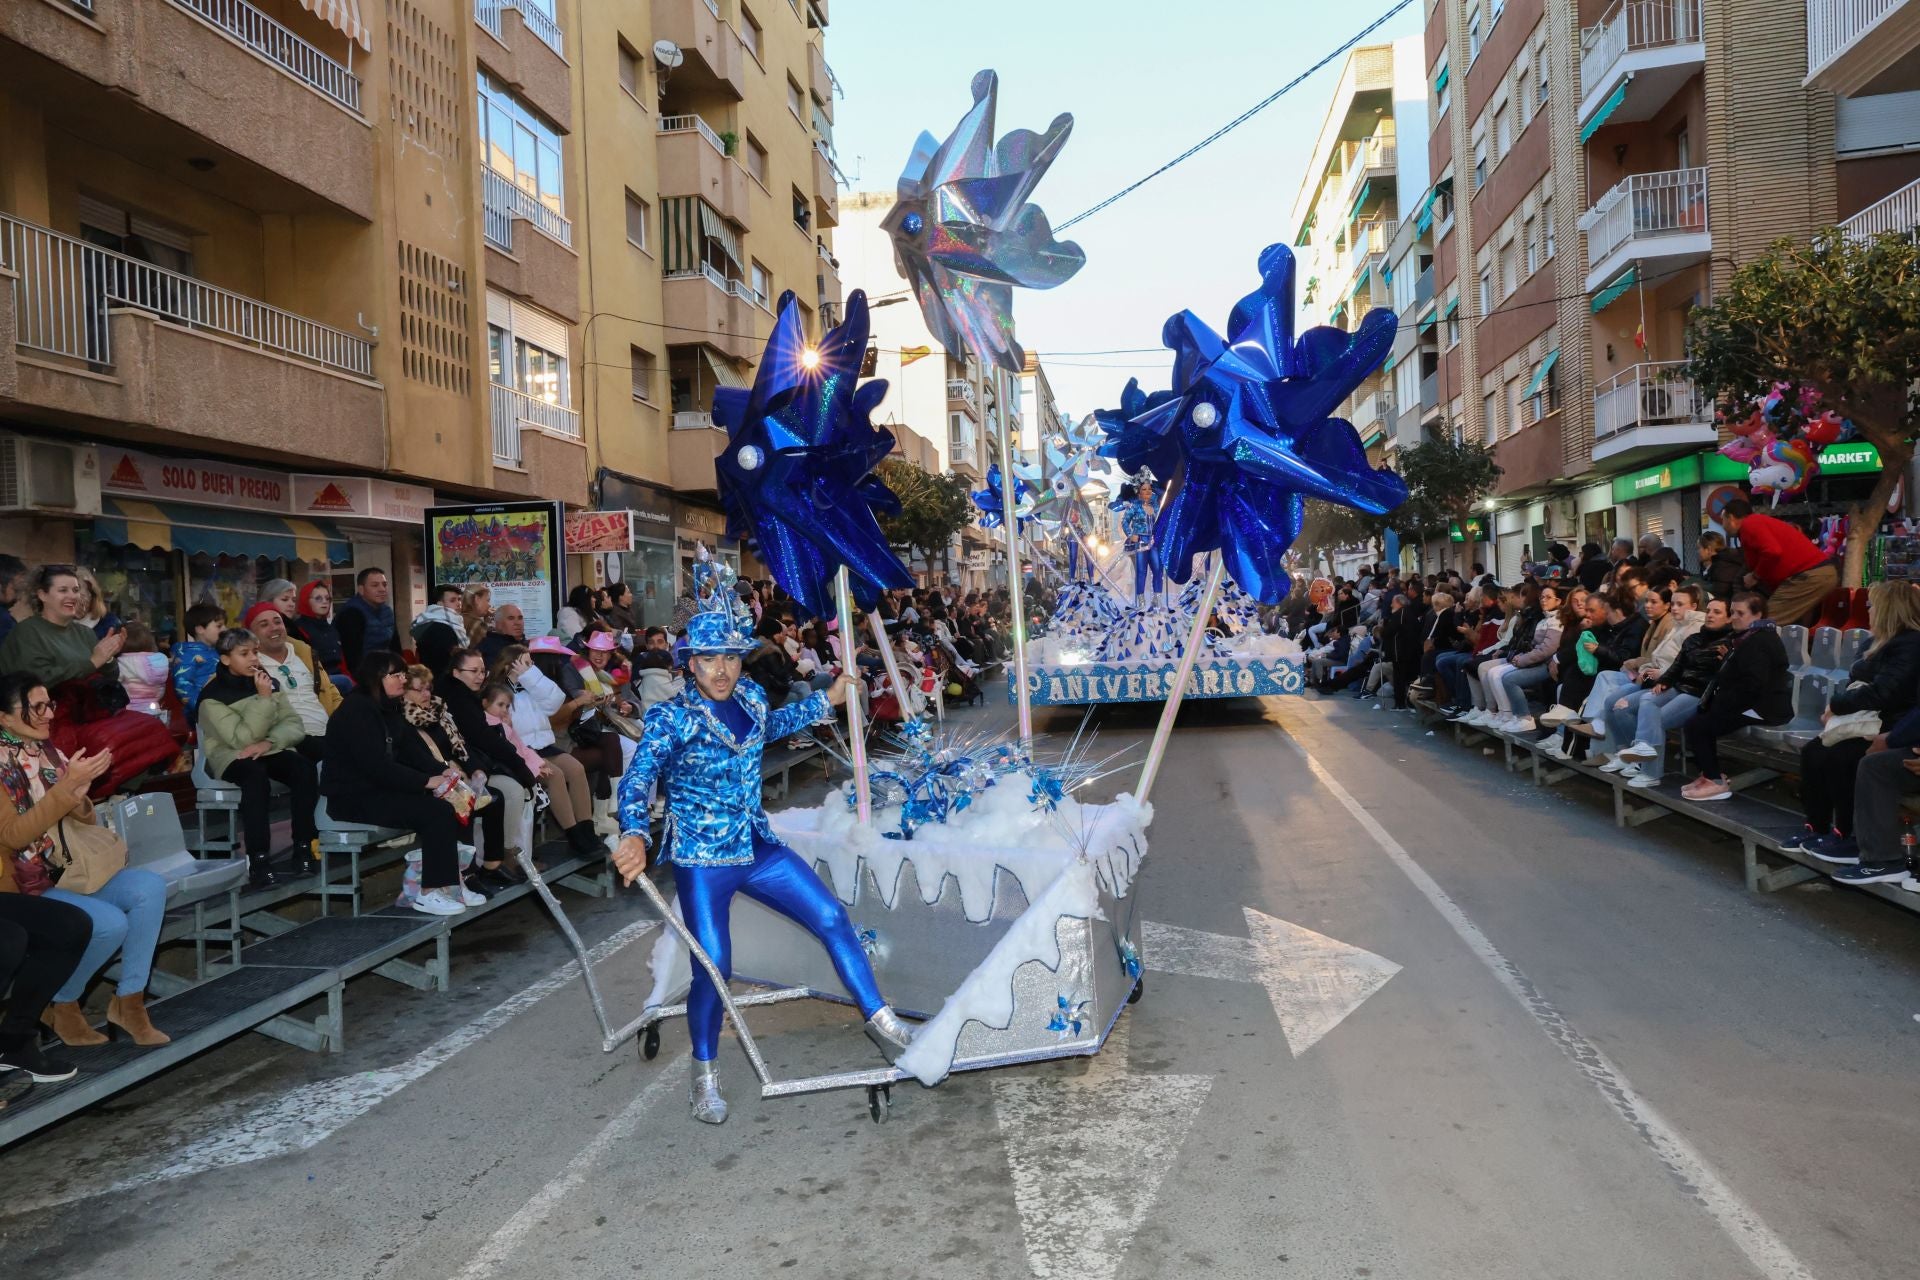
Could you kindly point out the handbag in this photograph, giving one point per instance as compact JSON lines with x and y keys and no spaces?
{"x":85,"y":855}
{"x":1584,"y":656}
{"x":1852,"y":724}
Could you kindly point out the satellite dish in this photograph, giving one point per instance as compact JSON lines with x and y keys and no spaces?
{"x":668,"y":54}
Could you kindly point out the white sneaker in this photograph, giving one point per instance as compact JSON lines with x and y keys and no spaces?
{"x":438,"y":902}
{"x":1554,"y":751}
{"x":1556,"y":715}
{"x":470,"y":898}
{"x":1522,"y":724}
{"x":1644,"y":781}
{"x":1616,"y":765}
{"x":1639,"y":750}
{"x":1476,"y":718}
{"x":1631,"y":772}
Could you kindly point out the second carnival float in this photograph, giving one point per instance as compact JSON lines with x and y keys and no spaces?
{"x":959,"y":890}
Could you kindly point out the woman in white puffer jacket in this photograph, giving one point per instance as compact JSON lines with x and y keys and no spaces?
{"x":536,"y":700}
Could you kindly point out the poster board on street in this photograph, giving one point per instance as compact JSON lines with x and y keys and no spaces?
{"x":515,"y":548}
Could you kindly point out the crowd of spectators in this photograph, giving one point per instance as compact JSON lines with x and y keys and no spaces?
{"x":1616,"y":650}
{"x":459,"y":726}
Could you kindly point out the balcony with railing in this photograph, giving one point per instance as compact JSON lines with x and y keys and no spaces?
{"x":323,"y":74}
{"x":491,"y":14}
{"x":1899,"y":212}
{"x":1649,"y":408}
{"x":696,"y":161}
{"x":1860,"y":47}
{"x":1636,"y":58}
{"x":716,"y":62}
{"x":99,"y":335}
{"x":963,"y":451}
{"x":692,"y":445}
{"x":1363,"y":161}
{"x":1423,"y":291}
{"x":961,"y":395}
{"x":1373,"y":415}
{"x":704,"y":307}
{"x":503,"y":203}
{"x":1656,"y":219}
{"x":528,"y":52}
{"x":515,"y":412}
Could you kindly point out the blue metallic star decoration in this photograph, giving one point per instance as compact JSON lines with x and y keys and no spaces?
{"x":963,"y":234}
{"x":1244,"y":437}
{"x":797,"y":470}
{"x":991,"y":503}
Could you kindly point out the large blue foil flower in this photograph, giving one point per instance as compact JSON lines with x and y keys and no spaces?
{"x":963,"y":234}
{"x":797,"y":470}
{"x":1244,"y":436}
{"x":990,"y":502}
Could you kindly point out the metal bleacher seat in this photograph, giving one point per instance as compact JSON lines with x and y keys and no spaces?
{"x":1811,"y":690}
{"x":1795,"y":639}
{"x":340,"y":838}
{"x":1853,"y":643}
{"x":1823,"y":654}
{"x":211,"y":795}
{"x":150,"y":824}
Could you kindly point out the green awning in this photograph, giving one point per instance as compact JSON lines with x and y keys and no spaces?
{"x":1607,"y":108}
{"x":1424,"y":219}
{"x":1366,"y":274}
{"x":1605,"y":298}
{"x":1306,"y":229}
{"x":1373,"y":434}
{"x":1390,"y":362}
{"x":1453,"y":305}
{"x":1428,"y":323}
{"x":1540,"y":375}
{"x":1440,"y":81}
{"x":1366,"y":189}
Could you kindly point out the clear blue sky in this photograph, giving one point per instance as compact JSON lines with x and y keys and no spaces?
{"x":1144,"y":80}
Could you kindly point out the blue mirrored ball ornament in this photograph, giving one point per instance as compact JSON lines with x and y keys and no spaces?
{"x":913,"y":224}
{"x":749,"y":457}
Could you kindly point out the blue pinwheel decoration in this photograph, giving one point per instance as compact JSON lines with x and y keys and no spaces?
{"x":797,"y":470}
{"x":1244,"y":437}
{"x":963,"y":234}
{"x":991,"y":503}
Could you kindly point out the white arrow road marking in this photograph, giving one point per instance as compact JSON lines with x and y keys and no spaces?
{"x":309,"y":1114}
{"x":1313,"y":981}
{"x":1088,"y":1154}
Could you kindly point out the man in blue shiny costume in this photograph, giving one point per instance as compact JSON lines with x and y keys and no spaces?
{"x":705,"y":746}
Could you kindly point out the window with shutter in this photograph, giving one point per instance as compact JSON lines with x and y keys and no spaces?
{"x":636,"y":221}
{"x":643,"y":369}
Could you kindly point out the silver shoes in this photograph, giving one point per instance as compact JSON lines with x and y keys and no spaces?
{"x":708,"y":1106}
{"x":886,"y":1030}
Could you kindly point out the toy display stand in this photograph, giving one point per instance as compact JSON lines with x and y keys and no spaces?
{"x":1011,"y":931}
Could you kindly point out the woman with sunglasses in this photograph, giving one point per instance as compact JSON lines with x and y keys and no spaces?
{"x":42,"y":786}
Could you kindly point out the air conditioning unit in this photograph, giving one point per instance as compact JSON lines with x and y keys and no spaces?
{"x":47,"y":476}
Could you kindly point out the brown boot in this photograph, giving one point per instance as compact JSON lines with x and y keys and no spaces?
{"x":71,"y":1025}
{"x":129,"y":1013}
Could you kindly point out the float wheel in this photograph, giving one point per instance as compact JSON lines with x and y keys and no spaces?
{"x":879,"y":1102}
{"x":650,"y":1043}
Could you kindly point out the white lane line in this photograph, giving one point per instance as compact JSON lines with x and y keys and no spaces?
{"x":502,"y":1244}
{"x":1766,"y":1251}
{"x":308,"y":1114}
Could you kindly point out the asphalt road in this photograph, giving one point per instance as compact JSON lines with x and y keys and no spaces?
{"x":1599,"y":1056}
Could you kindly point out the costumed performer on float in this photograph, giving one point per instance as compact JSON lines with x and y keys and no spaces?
{"x":705,"y":746}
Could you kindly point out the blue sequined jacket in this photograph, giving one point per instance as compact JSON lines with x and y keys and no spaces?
{"x":712,"y":782}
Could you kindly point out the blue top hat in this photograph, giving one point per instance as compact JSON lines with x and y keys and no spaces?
{"x":714,"y":631}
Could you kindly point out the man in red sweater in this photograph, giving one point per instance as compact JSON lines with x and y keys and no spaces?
{"x":1796,"y":576}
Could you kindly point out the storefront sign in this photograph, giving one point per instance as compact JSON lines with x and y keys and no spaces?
{"x":193,"y":480}
{"x":1474,"y":527}
{"x":700,"y":519}
{"x":652,"y":506}
{"x":1850,"y":458}
{"x":360,"y":497}
{"x":598,"y":532}
{"x":511,"y":547}
{"x":1681,"y":473}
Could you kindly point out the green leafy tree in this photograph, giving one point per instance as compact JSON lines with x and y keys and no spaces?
{"x":933,"y":508}
{"x":1330,"y":528}
{"x":1839,"y":315}
{"x":1445,"y":482}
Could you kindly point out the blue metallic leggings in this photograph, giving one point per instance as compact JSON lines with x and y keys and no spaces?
{"x":778,"y":879}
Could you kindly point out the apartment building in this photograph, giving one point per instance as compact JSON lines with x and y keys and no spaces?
{"x":1602,"y":168}
{"x":952,"y":400}
{"x":712,"y":189}
{"x":1867,"y":52}
{"x":281,"y":275}
{"x":1359,"y":188}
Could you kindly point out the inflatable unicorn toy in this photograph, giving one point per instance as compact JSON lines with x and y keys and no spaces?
{"x":1785,"y":469}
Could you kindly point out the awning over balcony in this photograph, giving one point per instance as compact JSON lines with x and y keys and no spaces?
{"x":342,"y":16}
{"x":724,"y":374}
{"x":217,"y":531}
{"x":1607,"y":108}
{"x":1360,"y":201}
{"x":1606,"y":297}
{"x":686,"y":224}
{"x":1390,"y":362}
{"x":1423,"y":221}
{"x":1540,"y":374}
{"x":1453,"y":305}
